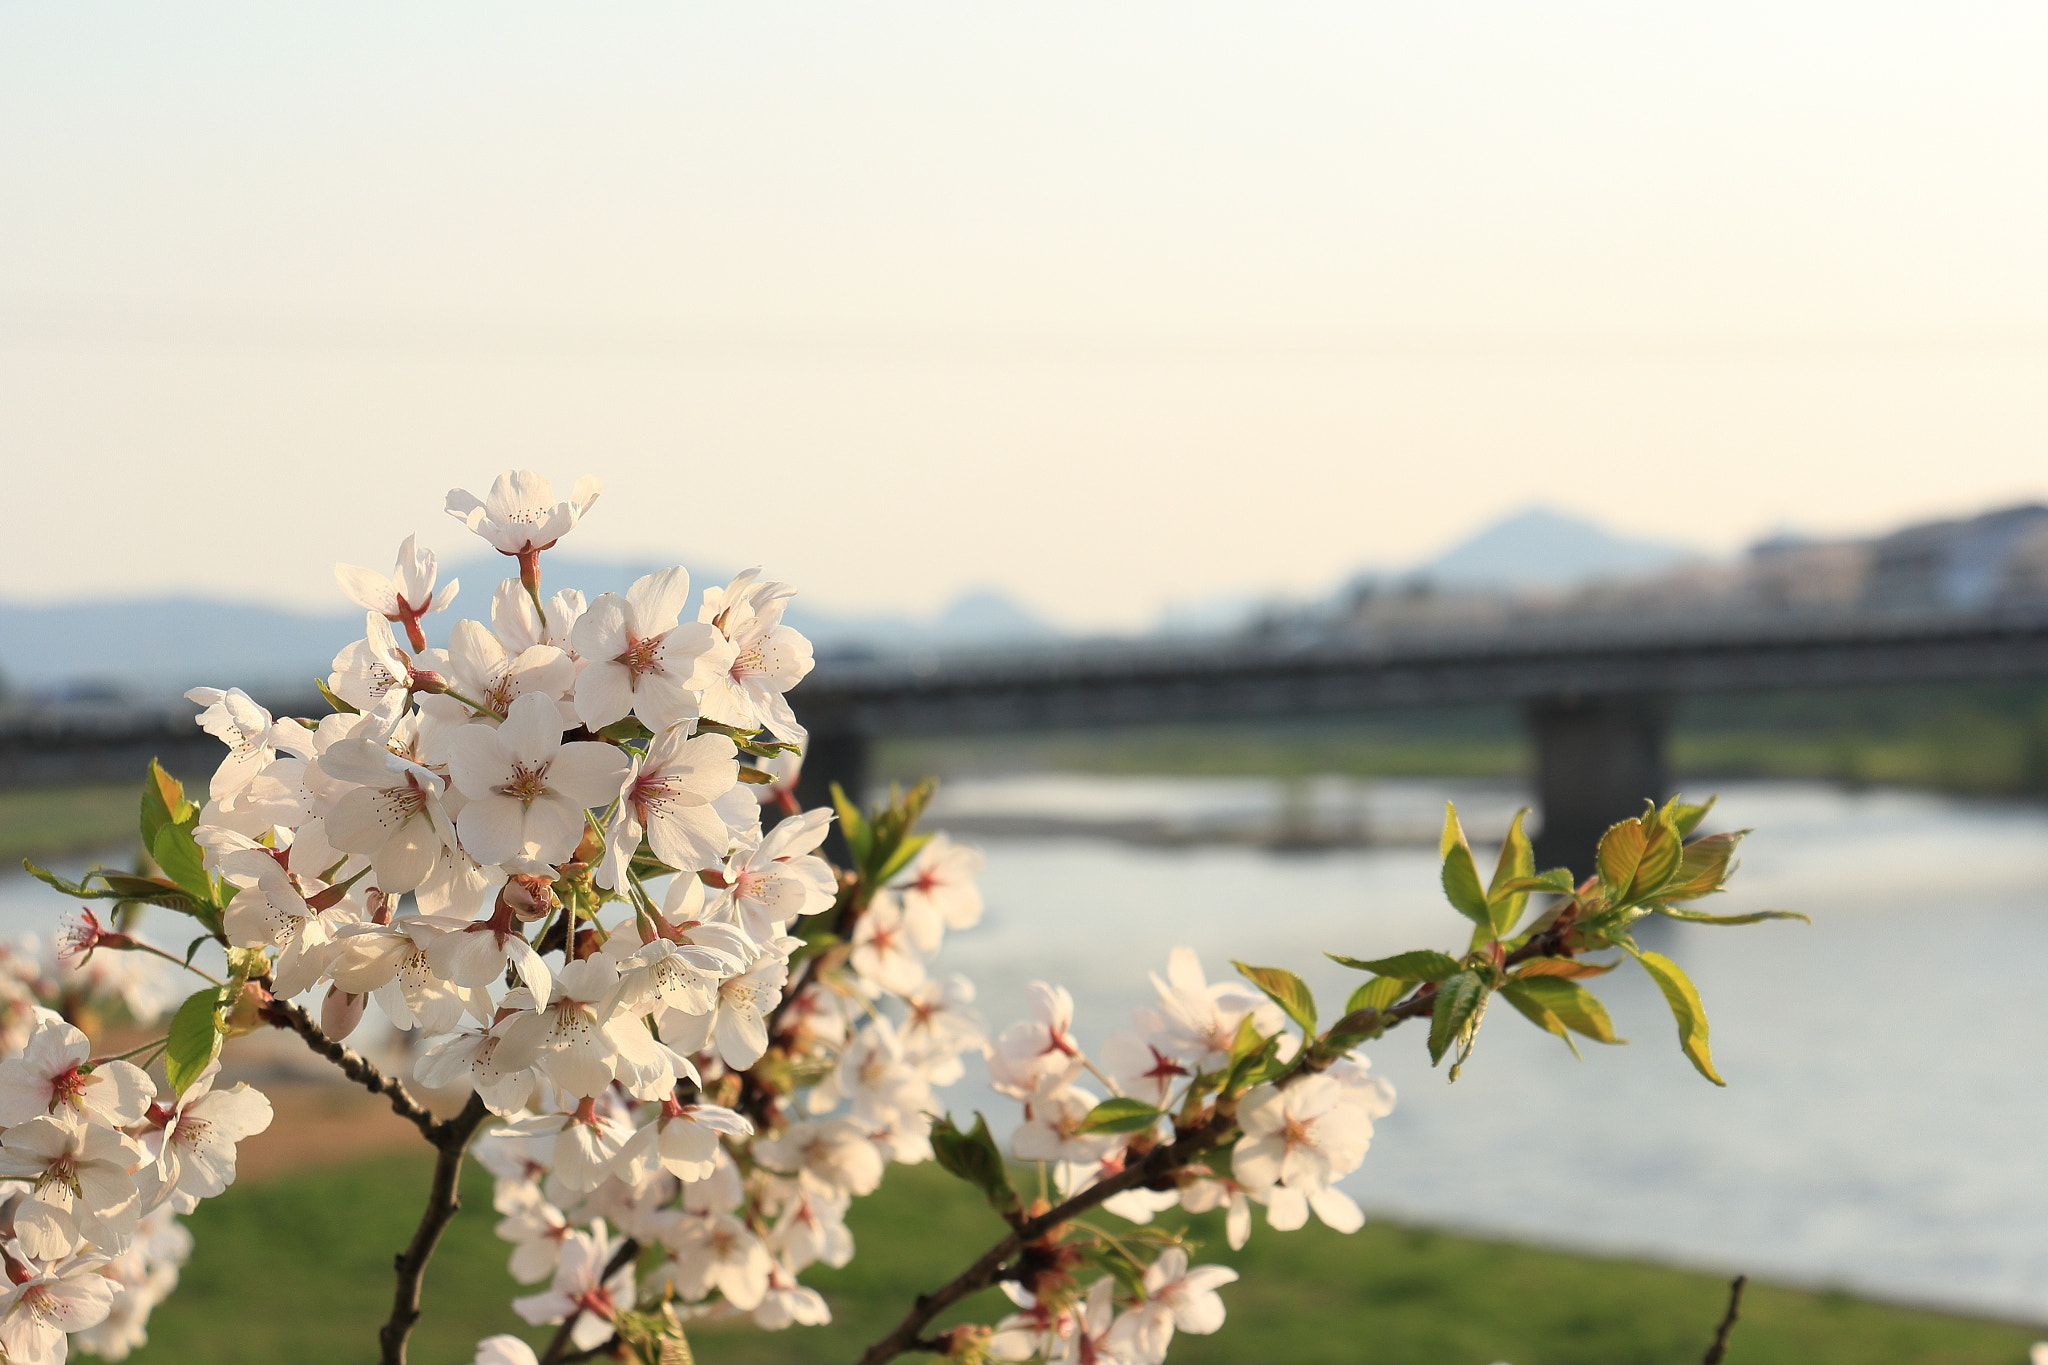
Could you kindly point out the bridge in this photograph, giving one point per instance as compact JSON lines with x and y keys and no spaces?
{"x":1597,"y":694}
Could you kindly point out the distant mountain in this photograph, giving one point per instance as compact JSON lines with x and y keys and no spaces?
{"x":162,"y":645}
{"x":1540,"y":549}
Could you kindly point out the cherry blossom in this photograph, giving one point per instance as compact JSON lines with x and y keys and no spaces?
{"x":192,"y":1146}
{"x":527,"y":790}
{"x":37,"y":1310}
{"x":938,"y":890}
{"x":1178,"y":1298}
{"x":668,"y":798}
{"x":46,"y":1079}
{"x":504,"y":1350}
{"x":761,"y":660}
{"x":716,"y":1251}
{"x":477,"y":670}
{"x":779,"y":879}
{"x":395,"y":815}
{"x":640,"y":658}
{"x":520,"y":626}
{"x":520,"y":516}
{"x":1039,"y":1051}
{"x":82,"y":1187}
{"x":582,"y":1288}
{"x":403,"y":598}
{"x":252,"y":737}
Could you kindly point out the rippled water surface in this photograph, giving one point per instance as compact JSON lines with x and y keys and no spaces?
{"x":1884,"y":1118}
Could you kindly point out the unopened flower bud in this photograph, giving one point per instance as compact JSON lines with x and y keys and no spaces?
{"x":340,"y":1012}
{"x":530,"y":897}
{"x":246,"y":1016}
{"x":426,"y":680}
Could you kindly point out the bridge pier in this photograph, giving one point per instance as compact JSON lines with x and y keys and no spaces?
{"x":834,"y":755}
{"x":1597,"y":760}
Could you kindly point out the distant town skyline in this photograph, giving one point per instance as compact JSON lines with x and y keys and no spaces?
{"x":1109,"y":309}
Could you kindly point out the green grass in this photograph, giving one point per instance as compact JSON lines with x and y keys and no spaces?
{"x":49,"y":822}
{"x":299,"y":1270}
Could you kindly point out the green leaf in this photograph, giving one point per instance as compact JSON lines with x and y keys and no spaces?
{"x":1424,"y":964}
{"x":620,"y":731}
{"x":1247,"y":1040}
{"x":1686,"y":1009}
{"x":1686,"y":818}
{"x":1537,"y":1013}
{"x":1119,"y":1114}
{"x":1460,"y":1003}
{"x":194,"y":1038}
{"x":1661,"y":856}
{"x":1284,"y":989}
{"x":1461,"y":874}
{"x":853,"y":826}
{"x":1571,"y":968}
{"x":183,"y":862}
{"x":973,"y":1157}
{"x":1621,"y":851}
{"x":1705,"y":865}
{"x":1376,"y":994}
{"x":1504,"y":904}
{"x":900,"y":859}
{"x":1753,"y":917}
{"x":1557,"y":881}
{"x":1577,"y":1008}
{"x":327,"y":694}
{"x":163,"y":803}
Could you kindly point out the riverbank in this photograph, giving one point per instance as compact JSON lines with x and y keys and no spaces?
{"x":297,"y":1267}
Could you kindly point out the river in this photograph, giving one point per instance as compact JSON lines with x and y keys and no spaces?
{"x":1883,"y":1122}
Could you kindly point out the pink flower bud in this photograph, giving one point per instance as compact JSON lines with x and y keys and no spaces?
{"x":340,"y":1012}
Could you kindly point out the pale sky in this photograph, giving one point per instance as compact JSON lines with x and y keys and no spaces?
{"x":1109,"y":305}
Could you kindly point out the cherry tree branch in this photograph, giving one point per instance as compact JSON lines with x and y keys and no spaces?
{"x":358,"y":1068}
{"x":444,"y":1198}
{"x":1719,"y":1349}
{"x":988,"y":1268}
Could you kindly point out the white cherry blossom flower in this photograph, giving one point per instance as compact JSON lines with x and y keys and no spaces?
{"x":939,"y":891}
{"x":940,"y":1024}
{"x":1178,"y":1298}
{"x":1198,"y":1021}
{"x":37,"y":1312}
{"x":831,"y":1156}
{"x":192,"y":1146}
{"x":478,"y":952}
{"x":252,"y":737}
{"x":1049,"y":1132}
{"x":1202,"y":1190}
{"x":568,"y":1033}
{"x":403,"y":598}
{"x":640,"y":658}
{"x":477,"y":666}
{"x":589,"y":1143}
{"x":395,"y":814}
{"x":761,"y":660}
{"x":82,"y":1191}
{"x":515,"y":621}
{"x":501,"y":1073}
{"x":682,"y":1139}
{"x":527,"y":790}
{"x":668,"y":798}
{"x":787,"y":1303}
{"x":779,"y":879}
{"x":582,"y":1288}
{"x":46,"y":1079}
{"x":1141,"y":1068}
{"x":536,"y":1229}
{"x":1039,"y":1051}
{"x":884,"y":954}
{"x":506,"y":1350}
{"x":520,"y":516}
{"x":737,"y":1026}
{"x":374,"y":668}
{"x":1096,"y":1336}
{"x":272,"y":911}
{"x":716,"y":1251}
{"x":1301,"y":1135}
{"x":812,"y":1230}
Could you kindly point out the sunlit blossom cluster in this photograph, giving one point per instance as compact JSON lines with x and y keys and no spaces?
{"x":562,"y":852}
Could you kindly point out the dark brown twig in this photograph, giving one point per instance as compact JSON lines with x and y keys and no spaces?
{"x":355,"y":1066}
{"x":451,"y":1142}
{"x":1719,"y":1349}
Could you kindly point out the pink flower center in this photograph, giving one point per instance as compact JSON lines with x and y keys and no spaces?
{"x":528,"y":783}
{"x":643,"y":656}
